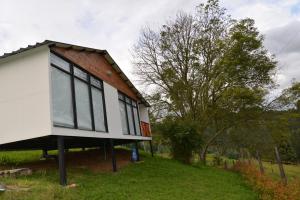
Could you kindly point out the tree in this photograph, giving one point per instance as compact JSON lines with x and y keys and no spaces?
{"x":207,"y":68}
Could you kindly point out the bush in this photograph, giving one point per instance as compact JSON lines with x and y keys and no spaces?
{"x":232,"y":155}
{"x":182,"y":137}
{"x":287,"y":153}
{"x":217,"y":160}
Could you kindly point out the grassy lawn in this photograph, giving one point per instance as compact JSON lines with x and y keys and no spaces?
{"x":155,"y":178}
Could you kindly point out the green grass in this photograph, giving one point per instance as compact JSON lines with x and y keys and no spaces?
{"x":155,"y":178}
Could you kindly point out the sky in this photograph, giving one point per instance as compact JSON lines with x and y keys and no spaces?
{"x":115,"y":25}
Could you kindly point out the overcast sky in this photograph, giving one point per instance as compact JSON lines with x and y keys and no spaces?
{"x":115,"y":25}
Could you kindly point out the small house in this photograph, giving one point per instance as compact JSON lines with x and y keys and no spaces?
{"x":55,"y":95}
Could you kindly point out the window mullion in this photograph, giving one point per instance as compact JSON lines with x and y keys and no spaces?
{"x":91,"y":103}
{"x":127,"y":120}
{"x":133,"y":119}
{"x":104,"y":108}
{"x":73,"y":97}
{"x":138,"y":112}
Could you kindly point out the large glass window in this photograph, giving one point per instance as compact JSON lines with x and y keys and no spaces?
{"x":77,"y":97}
{"x":129,"y":115}
{"x":83,"y":106}
{"x":62,"y":98}
{"x":123,"y":117}
{"x":98,"y":109}
{"x":136,"y":121}
{"x":130,"y":119}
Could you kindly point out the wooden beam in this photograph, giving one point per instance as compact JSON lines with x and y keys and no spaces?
{"x":61,"y":160}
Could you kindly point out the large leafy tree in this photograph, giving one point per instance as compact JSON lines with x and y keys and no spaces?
{"x":205,"y":67}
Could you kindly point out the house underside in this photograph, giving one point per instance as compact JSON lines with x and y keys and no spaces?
{"x":50,"y":143}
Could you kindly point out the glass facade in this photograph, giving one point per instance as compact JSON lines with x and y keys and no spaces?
{"x":77,"y":97}
{"x":129,"y":115}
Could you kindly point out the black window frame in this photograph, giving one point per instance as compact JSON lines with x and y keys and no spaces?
{"x":72,"y":66}
{"x":124,"y":99}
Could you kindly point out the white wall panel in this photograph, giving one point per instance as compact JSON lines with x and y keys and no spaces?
{"x":144,"y":115}
{"x":24,"y":96}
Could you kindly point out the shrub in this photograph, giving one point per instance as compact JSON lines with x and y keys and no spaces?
{"x":217,"y":160}
{"x":268,"y":188}
{"x":182,"y":137}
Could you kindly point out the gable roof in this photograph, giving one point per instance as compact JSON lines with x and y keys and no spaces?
{"x":82,"y":48}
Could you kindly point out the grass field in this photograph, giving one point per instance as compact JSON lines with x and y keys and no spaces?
{"x":155,"y":178}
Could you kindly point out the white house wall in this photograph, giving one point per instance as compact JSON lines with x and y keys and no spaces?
{"x":144,"y":115}
{"x":24,"y":96}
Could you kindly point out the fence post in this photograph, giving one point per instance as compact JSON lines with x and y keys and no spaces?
{"x":261,"y":167}
{"x":282,"y":173}
{"x":249,"y":157}
{"x":225,"y":165}
{"x":241,"y":155}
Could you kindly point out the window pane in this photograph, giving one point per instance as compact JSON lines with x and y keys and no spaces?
{"x":123,"y":117}
{"x":134,"y":103}
{"x":59,"y":62}
{"x":83,"y":105}
{"x":98,"y":109}
{"x":128,"y":100}
{"x":130,"y":119}
{"x":96,"y":82}
{"x":61,"y":98}
{"x":80,"y":74}
{"x":136,"y":121}
{"x":121,"y":96}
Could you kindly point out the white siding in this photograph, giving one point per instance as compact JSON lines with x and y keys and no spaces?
{"x":112,"y":111}
{"x":144,"y":116}
{"x":24,"y":96}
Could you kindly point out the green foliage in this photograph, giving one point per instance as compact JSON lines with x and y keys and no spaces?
{"x":289,"y":98}
{"x":206,"y":67}
{"x":217,"y":160}
{"x":182,"y":137}
{"x":286,"y":151}
{"x":295,"y":142}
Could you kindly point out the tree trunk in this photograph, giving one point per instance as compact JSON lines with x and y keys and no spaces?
{"x":282,"y":173}
{"x":225,"y":165}
{"x":203,"y":156}
{"x":261,"y":167}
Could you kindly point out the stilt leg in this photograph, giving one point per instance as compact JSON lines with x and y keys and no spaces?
{"x":105,"y":150}
{"x":151,"y":148}
{"x":137,"y":151}
{"x":61,"y":160}
{"x":113,"y":156}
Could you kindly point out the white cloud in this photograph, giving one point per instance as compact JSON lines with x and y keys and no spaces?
{"x":115,"y":25}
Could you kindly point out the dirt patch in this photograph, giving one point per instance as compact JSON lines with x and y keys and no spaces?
{"x":92,"y":159}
